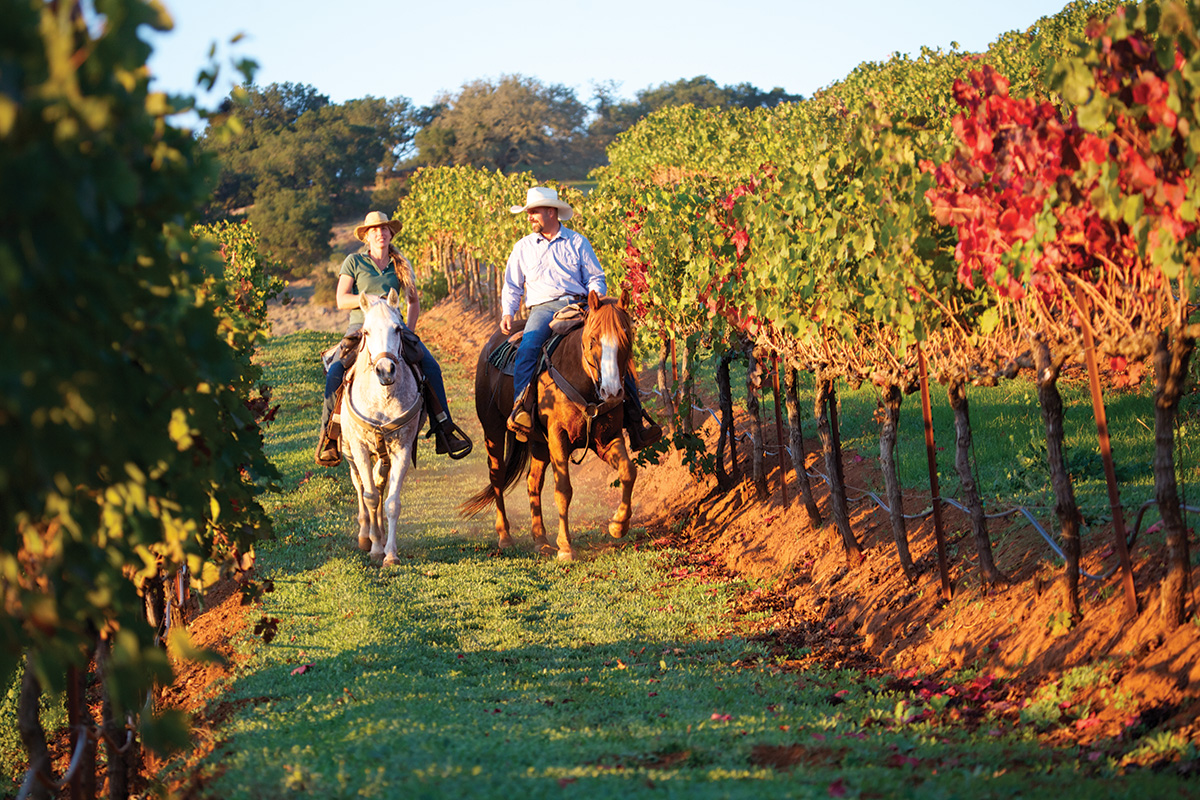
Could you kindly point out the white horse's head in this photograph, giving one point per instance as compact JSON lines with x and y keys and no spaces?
{"x":381,"y":332}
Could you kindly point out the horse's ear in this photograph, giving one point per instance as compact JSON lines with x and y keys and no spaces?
{"x":623,"y":300}
{"x":393,"y":299}
{"x":364,"y":302}
{"x":593,"y":300}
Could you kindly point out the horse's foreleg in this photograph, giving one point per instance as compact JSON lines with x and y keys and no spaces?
{"x":617,"y":457}
{"x":537,"y":479}
{"x":364,"y":518}
{"x":562,"y":497}
{"x":391,"y":504}
{"x":374,"y":501}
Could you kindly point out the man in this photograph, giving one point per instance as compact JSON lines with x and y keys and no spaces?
{"x":551,"y":268}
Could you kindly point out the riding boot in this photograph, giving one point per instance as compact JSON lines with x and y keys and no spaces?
{"x":640,"y":435}
{"x":448,"y":438}
{"x":520,"y":422}
{"x":328,"y":454}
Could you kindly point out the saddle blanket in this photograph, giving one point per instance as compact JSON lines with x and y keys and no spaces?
{"x":566,"y":319}
{"x":504,"y":357}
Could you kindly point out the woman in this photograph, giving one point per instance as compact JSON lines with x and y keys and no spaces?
{"x":376,"y":269}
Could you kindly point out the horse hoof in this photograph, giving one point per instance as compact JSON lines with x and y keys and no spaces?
{"x":617,"y":529}
{"x":364,"y":543}
{"x":377,"y":557}
{"x":505,"y":542}
{"x":566,"y":555}
{"x":390,"y":561}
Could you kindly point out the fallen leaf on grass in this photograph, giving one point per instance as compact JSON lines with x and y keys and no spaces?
{"x":303,"y":668}
{"x":266,"y":627}
{"x":837,"y":788}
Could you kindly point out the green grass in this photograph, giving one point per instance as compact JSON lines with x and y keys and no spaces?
{"x":469,"y":673}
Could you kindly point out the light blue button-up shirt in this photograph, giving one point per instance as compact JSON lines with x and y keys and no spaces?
{"x":541,"y":269}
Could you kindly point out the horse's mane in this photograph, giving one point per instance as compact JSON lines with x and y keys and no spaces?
{"x":609,"y":320}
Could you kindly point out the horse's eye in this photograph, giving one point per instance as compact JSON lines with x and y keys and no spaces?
{"x":396,"y":329}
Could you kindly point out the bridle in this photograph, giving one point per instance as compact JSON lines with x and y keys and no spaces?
{"x":373,"y":360}
{"x":590,"y":409}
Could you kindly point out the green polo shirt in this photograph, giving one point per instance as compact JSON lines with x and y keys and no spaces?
{"x":368,"y":280}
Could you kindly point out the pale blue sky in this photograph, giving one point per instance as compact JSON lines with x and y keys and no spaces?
{"x":349,"y":49}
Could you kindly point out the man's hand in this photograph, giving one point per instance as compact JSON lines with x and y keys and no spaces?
{"x":506,"y":324}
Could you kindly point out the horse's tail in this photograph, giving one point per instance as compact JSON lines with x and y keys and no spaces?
{"x":514,"y":467}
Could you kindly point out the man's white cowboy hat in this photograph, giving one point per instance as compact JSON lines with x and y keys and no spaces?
{"x":544,"y":197}
{"x":376,"y":219}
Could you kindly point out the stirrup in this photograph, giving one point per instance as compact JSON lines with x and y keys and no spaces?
{"x":520,"y":423}
{"x":328,"y":452}
{"x":449,"y":439}
{"x":640,"y":436}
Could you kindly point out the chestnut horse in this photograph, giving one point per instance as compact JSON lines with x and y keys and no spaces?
{"x":579,"y":405}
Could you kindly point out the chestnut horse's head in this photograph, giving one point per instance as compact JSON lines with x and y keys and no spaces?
{"x":607,"y":344}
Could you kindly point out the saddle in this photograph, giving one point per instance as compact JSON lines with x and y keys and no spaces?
{"x":347,"y":349}
{"x":566,"y":319}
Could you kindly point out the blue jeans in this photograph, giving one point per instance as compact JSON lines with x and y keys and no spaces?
{"x":537,"y":331}
{"x":429,"y":365}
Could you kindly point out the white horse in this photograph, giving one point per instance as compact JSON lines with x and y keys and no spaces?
{"x":381,"y":413}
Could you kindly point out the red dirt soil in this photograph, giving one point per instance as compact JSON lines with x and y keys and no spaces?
{"x":867,"y":617}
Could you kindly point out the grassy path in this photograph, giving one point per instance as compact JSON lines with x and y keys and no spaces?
{"x":467,"y":673}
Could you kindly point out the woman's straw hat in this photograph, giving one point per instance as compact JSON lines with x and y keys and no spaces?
{"x":374,"y":220}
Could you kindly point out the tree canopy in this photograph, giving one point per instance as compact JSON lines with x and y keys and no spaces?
{"x":302,"y":160}
{"x":614,"y":115}
{"x":513,"y":123}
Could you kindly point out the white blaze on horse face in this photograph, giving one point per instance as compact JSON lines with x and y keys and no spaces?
{"x":610,"y":375}
{"x":382,"y":327}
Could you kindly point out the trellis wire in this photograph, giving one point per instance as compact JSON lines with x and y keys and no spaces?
{"x":1009,"y":512}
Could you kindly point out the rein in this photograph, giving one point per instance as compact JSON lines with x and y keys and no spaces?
{"x":589,"y":409}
